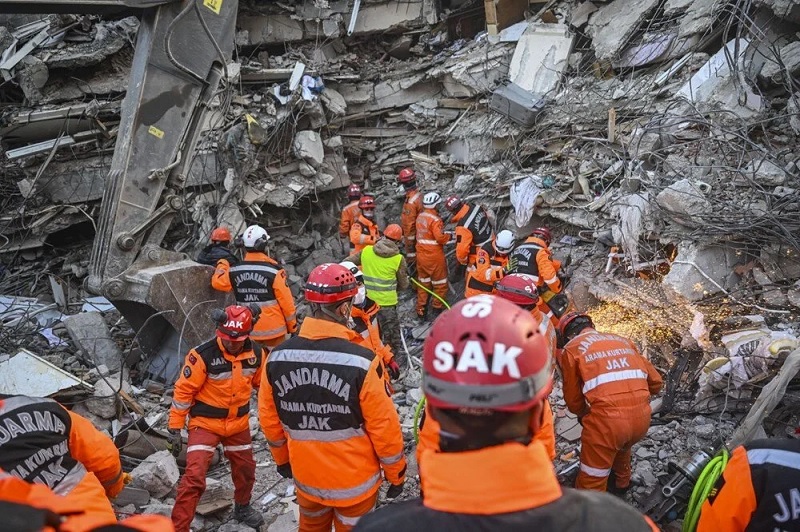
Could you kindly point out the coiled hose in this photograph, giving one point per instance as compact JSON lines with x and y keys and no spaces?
{"x":705,"y":483}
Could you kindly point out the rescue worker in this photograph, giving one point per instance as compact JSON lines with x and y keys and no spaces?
{"x":44,"y":443}
{"x":385,"y":273}
{"x":431,"y":261}
{"x":759,"y":489}
{"x":365,"y":319}
{"x":323,"y":404}
{"x":608,"y":385}
{"x":364,"y":231}
{"x":520,"y":289}
{"x":535,"y":258}
{"x":219,"y":248}
{"x":27,"y":506}
{"x":487,"y":373}
{"x":214,"y":391}
{"x":473,"y":229}
{"x":350,"y":213}
{"x":412,"y":206}
{"x":491,"y":264}
{"x":261,"y":280}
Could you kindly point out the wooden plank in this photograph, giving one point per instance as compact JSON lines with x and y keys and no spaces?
{"x":491,"y":16}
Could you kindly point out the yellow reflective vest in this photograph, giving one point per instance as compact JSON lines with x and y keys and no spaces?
{"x":380,"y":276}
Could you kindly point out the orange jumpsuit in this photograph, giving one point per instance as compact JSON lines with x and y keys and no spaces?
{"x":759,"y":489}
{"x":261,"y":280}
{"x":214,"y":390}
{"x":76,"y":516}
{"x":431,"y":261}
{"x":366,"y":325}
{"x":473,"y":230}
{"x":488,"y":269}
{"x":350,"y":214}
{"x":535,"y":258}
{"x":44,"y":443}
{"x":412,"y":206}
{"x":323,"y":404}
{"x":608,"y":385}
{"x":364,"y":232}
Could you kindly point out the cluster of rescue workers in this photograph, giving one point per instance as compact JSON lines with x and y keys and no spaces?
{"x":324,"y":402}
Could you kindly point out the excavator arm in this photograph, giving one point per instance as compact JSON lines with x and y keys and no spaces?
{"x":182,"y":50}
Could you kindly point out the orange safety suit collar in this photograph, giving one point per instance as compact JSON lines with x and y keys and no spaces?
{"x":460,"y":214}
{"x":536,"y":241}
{"x":319,"y":329}
{"x":513,"y":477}
{"x":260,"y":256}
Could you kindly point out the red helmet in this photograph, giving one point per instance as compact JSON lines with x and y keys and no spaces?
{"x":330,"y":283}
{"x":221,"y":234}
{"x":393,"y":232}
{"x":407,"y":175}
{"x":366,"y":202}
{"x":567,"y":319}
{"x":543,"y":233}
{"x":486,"y":353}
{"x":453,"y":204}
{"x":234,"y":323}
{"x":519,"y":288}
{"x":354,"y":191}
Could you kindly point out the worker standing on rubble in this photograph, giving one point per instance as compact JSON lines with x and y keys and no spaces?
{"x":214,"y":391}
{"x":365,"y":318}
{"x":261,"y":280}
{"x":487,"y":373}
{"x":28,"y":506}
{"x":364,"y":231}
{"x":759,"y":489}
{"x":535,"y":258}
{"x":44,"y":443}
{"x":473,"y":229}
{"x":491,"y":264}
{"x":350,"y":213}
{"x":412,"y":206}
{"x":385,"y":273}
{"x":608,"y":385}
{"x":431,"y":260}
{"x":324,"y":405}
{"x":218,"y":249}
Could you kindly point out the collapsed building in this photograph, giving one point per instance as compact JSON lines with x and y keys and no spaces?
{"x":657,"y":137}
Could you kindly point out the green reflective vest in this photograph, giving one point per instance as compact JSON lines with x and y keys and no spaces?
{"x":380,"y":276}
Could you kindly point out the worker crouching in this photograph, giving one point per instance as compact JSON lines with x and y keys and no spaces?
{"x":326,"y":413}
{"x":608,"y":385}
{"x":214,"y":391}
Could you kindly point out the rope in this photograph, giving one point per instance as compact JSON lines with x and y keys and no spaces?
{"x":705,"y":483}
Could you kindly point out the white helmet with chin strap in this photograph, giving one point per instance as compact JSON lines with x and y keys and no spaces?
{"x":255,"y":237}
{"x":504,"y":242}
{"x":431,"y":200}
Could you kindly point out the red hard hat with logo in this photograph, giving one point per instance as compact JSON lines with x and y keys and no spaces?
{"x":330,"y":283}
{"x":543,"y":233}
{"x":234,"y":323}
{"x":354,"y":191}
{"x":453,"y":204}
{"x":519,"y":288}
{"x":486,"y":353}
{"x":393,"y":232}
{"x":221,"y":234}
{"x":407,"y":175}
{"x":568,"y":318}
{"x":366,"y":202}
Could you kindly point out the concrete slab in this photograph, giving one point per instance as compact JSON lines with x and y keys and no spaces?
{"x":540,"y":57}
{"x":89,"y":332}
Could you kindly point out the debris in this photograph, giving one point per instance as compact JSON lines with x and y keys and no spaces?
{"x":699,"y":271}
{"x":27,"y":374}
{"x":103,"y":403}
{"x":89,"y":331}
{"x":684,"y":200}
{"x":158,"y":474}
{"x":516,"y":103}
{"x":540,"y":59}
{"x":308,"y":146}
{"x":612,"y":25}
{"x":788,"y":67}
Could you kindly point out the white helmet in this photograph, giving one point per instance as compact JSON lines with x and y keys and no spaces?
{"x":431,"y":200}
{"x":504,"y":242}
{"x":354,"y":270}
{"x":255,"y":237}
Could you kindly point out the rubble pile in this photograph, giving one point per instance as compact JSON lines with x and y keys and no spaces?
{"x":658,"y":137}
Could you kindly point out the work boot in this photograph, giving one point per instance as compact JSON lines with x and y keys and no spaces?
{"x":435,"y":312}
{"x":422,"y":313}
{"x":248,"y":515}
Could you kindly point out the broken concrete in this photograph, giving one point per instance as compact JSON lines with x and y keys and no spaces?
{"x":540,"y":57}
{"x":105,"y":399}
{"x":308,"y":146}
{"x":611,"y":26}
{"x":158,"y":474}
{"x":684,"y":200}
{"x":90,"y":333}
{"x":788,"y":68}
{"x":698,"y":272}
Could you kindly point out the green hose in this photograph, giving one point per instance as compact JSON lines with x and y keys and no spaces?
{"x":705,"y":483}
{"x":417,"y":413}
{"x":431,"y":293}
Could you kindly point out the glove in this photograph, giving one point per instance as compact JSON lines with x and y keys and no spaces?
{"x":285,"y":470}
{"x":115,"y":489}
{"x":511,"y":265}
{"x":394,"y":490}
{"x":174,"y":442}
{"x":394,"y":370}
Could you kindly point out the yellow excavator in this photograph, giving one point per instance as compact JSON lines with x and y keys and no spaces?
{"x":181,"y":55}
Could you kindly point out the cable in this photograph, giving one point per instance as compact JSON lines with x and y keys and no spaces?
{"x":705,"y":483}
{"x":430,"y":292}
{"x":417,"y":414}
